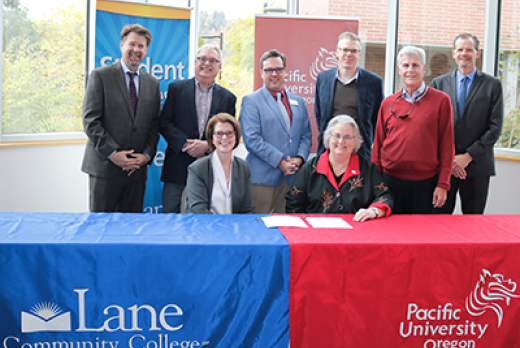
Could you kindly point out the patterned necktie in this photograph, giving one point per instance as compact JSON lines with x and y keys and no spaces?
{"x":284,"y":111}
{"x":133,"y":93}
{"x":463,"y":93}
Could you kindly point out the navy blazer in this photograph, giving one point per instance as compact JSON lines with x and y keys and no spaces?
{"x":200,"y":186}
{"x":480,"y":126}
{"x":371,"y":94}
{"x":178,"y":123}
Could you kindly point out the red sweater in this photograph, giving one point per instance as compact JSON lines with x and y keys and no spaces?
{"x":419,"y":146}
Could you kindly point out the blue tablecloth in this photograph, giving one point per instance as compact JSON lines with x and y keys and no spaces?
{"x":142,"y":281}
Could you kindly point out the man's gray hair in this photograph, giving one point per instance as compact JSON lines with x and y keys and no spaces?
{"x":344,"y":119}
{"x":350,"y":36}
{"x":412,"y":51}
{"x":211,"y":47}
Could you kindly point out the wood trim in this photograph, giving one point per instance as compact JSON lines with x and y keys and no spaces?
{"x":499,"y":157}
{"x":37,"y":143}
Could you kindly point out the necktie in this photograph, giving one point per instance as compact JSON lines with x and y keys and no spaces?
{"x":463,"y":92}
{"x":284,"y":111}
{"x":133,"y":93}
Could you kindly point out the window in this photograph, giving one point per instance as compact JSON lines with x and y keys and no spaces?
{"x":43,"y":66}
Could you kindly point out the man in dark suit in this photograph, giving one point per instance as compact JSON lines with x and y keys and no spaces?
{"x":189,"y":106}
{"x":120,"y":116}
{"x":478,"y":105}
{"x":349,"y":90}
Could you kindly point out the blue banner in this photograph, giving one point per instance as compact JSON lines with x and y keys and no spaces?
{"x":142,"y":281}
{"x":167,"y":59}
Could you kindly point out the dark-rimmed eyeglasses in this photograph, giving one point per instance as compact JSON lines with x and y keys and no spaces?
{"x":206,"y":60}
{"x":271,"y":71}
{"x":349,"y":50}
{"x":220,"y":134}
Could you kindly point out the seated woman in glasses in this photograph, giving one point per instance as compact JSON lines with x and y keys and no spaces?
{"x":220,"y":183}
{"x":339,"y":181}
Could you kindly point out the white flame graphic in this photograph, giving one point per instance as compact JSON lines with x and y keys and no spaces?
{"x":488,"y":292}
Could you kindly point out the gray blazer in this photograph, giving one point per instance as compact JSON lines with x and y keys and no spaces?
{"x":200,"y":187}
{"x":109,"y":122}
{"x":480,"y":125}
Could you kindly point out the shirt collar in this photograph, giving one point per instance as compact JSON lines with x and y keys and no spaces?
{"x":274,"y":93}
{"x":349,"y":81}
{"x":416,"y":95}
{"x":471,"y":75}
{"x":197,"y":84}
{"x":126,"y":69}
{"x":323,"y":167}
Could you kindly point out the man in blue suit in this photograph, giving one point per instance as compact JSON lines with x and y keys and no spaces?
{"x":349,"y":90}
{"x":277,"y":135}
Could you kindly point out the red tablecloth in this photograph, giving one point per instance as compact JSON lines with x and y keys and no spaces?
{"x":407,"y":281}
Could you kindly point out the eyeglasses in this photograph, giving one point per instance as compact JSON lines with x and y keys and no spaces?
{"x":413,"y":105}
{"x":210,"y":60}
{"x":220,"y":134}
{"x":271,"y":71}
{"x":338,"y":137}
{"x":348,"y":50}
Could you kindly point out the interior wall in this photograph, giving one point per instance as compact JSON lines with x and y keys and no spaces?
{"x":49,"y":179}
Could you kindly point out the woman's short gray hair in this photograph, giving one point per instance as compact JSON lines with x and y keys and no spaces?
{"x":344,"y":119}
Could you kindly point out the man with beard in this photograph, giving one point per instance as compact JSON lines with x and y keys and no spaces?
{"x":120,"y":116}
{"x":189,"y":106}
{"x":277,"y":135}
{"x":478,"y":113}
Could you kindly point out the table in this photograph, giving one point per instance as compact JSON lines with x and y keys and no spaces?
{"x":166,"y":281}
{"x":407,"y":281}
{"x":142,"y":281}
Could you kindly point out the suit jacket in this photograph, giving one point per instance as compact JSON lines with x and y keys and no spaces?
{"x":178,"y":123}
{"x":109,"y":122}
{"x":266,"y":136}
{"x":370,"y":88}
{"x":477,"y":131}
{"x":200,"y":186}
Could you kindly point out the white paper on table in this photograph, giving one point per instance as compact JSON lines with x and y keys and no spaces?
{"x":328,"y":222}
{"x":283,"y":221}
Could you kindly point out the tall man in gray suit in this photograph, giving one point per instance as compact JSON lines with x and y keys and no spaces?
{"x":478,"y":113}
{"x":121,"y":110}
{"x":349,"y":90}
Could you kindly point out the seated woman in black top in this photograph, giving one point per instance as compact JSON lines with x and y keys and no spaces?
{"x":339,"y":181}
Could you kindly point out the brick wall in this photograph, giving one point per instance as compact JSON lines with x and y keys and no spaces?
{"x":428,"y":23}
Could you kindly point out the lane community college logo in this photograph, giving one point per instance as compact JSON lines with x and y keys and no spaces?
{"x":45,"y":316}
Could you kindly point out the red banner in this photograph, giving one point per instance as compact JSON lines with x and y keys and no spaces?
{"x":407,"y":281}
{"x":310,"y":46}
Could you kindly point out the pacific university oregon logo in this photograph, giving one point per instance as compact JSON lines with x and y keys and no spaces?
{"x":325,"y":60}
{"x":491,"y":291}
{"x":45,"y":316}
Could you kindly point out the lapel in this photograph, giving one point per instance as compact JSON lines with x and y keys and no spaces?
{"x":294,"y":109}
{"x":330,"y":96}
{"x":144,"y":91}
{"x":216,"y":100}
{"x":475,"y":85}
{"x":273,"y":108}
{"x":452,"y":92}
{"x":188,"y":96}
{"x":120,"y":80}
{"x":361,"y":93}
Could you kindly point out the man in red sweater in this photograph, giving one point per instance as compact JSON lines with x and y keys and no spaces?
{"x":413,"y":145}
